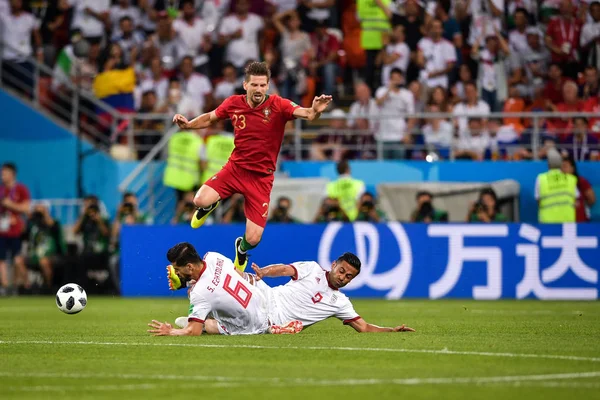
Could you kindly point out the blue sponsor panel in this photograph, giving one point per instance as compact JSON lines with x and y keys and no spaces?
{"x":473,"y":261}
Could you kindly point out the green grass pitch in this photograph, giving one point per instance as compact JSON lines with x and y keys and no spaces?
{"x":462,"y":349}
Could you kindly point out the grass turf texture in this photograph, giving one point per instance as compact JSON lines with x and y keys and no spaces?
{"x":40,"y":359}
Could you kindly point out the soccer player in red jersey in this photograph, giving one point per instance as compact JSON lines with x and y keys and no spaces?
{"x":259,"y":121}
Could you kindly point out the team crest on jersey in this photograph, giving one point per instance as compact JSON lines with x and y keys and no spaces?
{"x":267,"y":114}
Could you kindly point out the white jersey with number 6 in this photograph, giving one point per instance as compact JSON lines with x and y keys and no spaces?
{"x":309,"y":298}
{"x":238,"y":307}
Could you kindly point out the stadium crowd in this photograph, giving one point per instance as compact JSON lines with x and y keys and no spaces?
{"x":463,"y":57}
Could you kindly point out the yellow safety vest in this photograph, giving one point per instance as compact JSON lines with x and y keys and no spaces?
{"x":183,"y":170}
{"x":373,"y":24}
{"x":557,"y":192}
{"x":218,"y":150}
{"x":346,"y":190}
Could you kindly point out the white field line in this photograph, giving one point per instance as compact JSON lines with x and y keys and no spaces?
{"x":231,"y":382}
{"x":318,"y":348}
{"x":529,"y":312}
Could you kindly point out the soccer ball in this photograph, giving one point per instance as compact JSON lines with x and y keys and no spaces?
{"x":71,"y":298}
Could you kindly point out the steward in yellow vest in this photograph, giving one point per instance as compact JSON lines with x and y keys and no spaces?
{"x":216,"y":152}
{"x":183,"y":161}
{"x":346,"y":190}
{"x":556,"y":193}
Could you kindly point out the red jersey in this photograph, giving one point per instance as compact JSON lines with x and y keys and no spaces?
{"x":581,"y":214}
{"x":258,"y":131}
{"x":12,"y":223}
{"x":565,"y":35}
{"x":593,"y":105}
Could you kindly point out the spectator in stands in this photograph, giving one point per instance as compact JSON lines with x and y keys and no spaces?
{"x":330,"y":211}
{"x":324,"y":56}
{"x":438,"y":133}
{"x":425,"y":211}
{"x":439,"y":98}
{"x":570,"y":103}
{"x":395,"y":100}
{"x":185,"y":209}
{"x":580,"y":144}
{"x":195,"y":85}
{"x":94,"y":228}
{"x":148,"y":131}
{"x":45,"y":244}
{"x":593,"y":105}
{"x":472,"y":106}
{"x":485,"y":18}
{"x":472,"y":143}
{"x":281,"y":213}
{"x":128,"y":38}
{"x":396,"y":54}
{"x":514,"y":104}
{"x":179,"y":102}
{"x":318,"y":10}
{"x":416,"y":89}
{"x":364,"y":110}
{"x":14,"y":203}
{"x":586,"y":197}
{"x":503,"y":140}
{"x":239,"y":33}
{"x":55,"y":30}
{"x":120,"y":11}
{"x":157,"y":82}
{"x":149,"y":10}
{"x":517,"y":37}
{"x":194,"y":35}
{"x":591,"y":84}
{"x":294,"y":48}
{"x":332,"y":141}
{"x":590,"y":38}
{"x":227,"y":86}
{"x":452,"y":31}
{"x":368,"y":210}
{"x":533,"y":64}
{"x":17,"y":30}
{"x":486,"y":208}
{"x":235,"y":212}
{"x":92,"y":17}
{"x":457,"y":91}
{"x":169,"y":45}
{"x":562,"y":39}
{"x":436,"y":56}
{"x":412,"y":21}
{"x":492,"y":69}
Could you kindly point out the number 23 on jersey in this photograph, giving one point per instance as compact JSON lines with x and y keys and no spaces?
{"x":238,"y":121}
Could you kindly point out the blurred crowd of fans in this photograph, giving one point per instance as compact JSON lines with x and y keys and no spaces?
{"x":463,"y":57}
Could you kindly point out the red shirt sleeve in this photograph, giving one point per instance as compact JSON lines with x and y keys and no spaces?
{"x":583,"y":185}
{"x":223,"y":110}
{"x":287,"y":108}
{"x":23,"y":193}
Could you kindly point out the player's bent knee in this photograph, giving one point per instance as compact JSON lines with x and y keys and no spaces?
{"x":205,"y":196}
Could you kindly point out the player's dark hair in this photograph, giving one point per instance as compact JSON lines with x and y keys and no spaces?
{"x":182,"y":254}
{"x":257,"y":68}
{"x":351,"y":259}
{"x":343,"y":167}
{"x":11,"y":166}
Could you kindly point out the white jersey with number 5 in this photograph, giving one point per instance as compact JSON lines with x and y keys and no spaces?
{"x":238,"y":307}
{"x":309,"y":298}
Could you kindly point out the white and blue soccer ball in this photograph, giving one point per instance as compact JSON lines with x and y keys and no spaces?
{"x":71,"y":298}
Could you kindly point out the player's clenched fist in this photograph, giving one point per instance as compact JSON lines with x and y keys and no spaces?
{"x":180,"y":120}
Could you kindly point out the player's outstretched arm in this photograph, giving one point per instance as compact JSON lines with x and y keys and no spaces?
{"x":273,"y":271}
{"x":360,"y":325}
{"x":193,"y":328}
{"x":200,"y":122}
{"x":319,"y":105}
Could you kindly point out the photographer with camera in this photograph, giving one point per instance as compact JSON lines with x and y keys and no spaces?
{"x":281,"y":213}
{"x":93,"y":228}
{"x":425,"y":211}
{"x":235,"y":212}
{"x":486,"y":208}
{"x":331,"y":211}
{"x":367,"y":210}
{"x":185,"y":209}
{"x":44,"y":245}
{"x":127,"y":214}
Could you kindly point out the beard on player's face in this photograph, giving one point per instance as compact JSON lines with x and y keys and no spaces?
{"x":184,"y":273}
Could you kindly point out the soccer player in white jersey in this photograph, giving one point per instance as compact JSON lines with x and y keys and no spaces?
{"x":237,"y":307}
{"x":312,"y":295}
